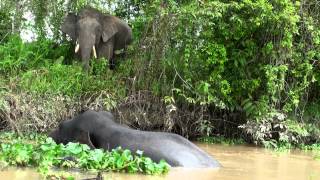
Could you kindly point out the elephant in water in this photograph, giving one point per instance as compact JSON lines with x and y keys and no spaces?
{"x":99,"y":130}
{"x":96,"y":34}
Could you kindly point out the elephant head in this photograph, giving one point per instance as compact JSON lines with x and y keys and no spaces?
{"x":81,"y":130}
{"x":96,"y":34}
{"x":67,"y":132}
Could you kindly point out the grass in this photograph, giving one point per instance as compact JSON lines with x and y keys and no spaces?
{"x":221,"y":140}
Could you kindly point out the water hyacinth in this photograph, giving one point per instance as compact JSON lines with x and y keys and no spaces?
{"x":42,"y":152}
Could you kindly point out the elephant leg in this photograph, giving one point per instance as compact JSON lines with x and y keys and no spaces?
{"x":112,"y":64}
{"x":106,"y":50}
{"x":85,"y":60}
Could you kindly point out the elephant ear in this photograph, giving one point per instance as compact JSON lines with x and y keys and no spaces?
{"x":109,"y":28}
{"x":84,"y":138}
{"x":69,"y":25}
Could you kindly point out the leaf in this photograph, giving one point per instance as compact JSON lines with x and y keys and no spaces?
{"x":139,"y":152}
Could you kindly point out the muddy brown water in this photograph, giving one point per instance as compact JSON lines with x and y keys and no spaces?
{"x":239,"y":162}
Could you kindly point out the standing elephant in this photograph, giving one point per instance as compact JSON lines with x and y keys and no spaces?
{"x":96,"y":34}
{"x":99,"y":130}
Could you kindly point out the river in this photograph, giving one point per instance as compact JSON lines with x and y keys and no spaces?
{"x":239,"y":163}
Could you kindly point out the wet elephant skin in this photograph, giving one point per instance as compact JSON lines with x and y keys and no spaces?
{"x":99,"y":130}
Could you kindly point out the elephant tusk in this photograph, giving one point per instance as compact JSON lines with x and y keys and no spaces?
{"x":77,"y":47}
{"x":94,"y":51}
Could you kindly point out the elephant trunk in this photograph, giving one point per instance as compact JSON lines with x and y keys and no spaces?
{"x":55,"y":136}
{"x":76,"y":50}
{"x":87,"y":48}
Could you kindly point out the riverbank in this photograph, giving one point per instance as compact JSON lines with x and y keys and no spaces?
{"x":277,"y":147}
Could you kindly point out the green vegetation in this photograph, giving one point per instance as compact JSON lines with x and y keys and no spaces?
{"x":221,"y":140}
{"x":199,"y":68}
{"x":313,"y":147}
{"x":38,"y":68}
{"x":43,"y":153}
{"x":287,"y":147}
{"x":250,"y":59}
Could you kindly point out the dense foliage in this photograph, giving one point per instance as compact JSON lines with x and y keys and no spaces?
{"x":246,"y":68}
{"x":255,"y":59}
{"x":44,"y":153}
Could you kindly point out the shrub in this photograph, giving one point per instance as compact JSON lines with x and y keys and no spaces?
{"x":256,"y":58}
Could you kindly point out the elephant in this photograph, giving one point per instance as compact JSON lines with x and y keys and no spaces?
{"x":99,"y":130}
{"x":97,"y":34}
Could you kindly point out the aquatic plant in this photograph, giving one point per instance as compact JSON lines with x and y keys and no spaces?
{"x":44,"y":154}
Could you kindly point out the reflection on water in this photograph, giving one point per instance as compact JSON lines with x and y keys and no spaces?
{"x":239,"y":162}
